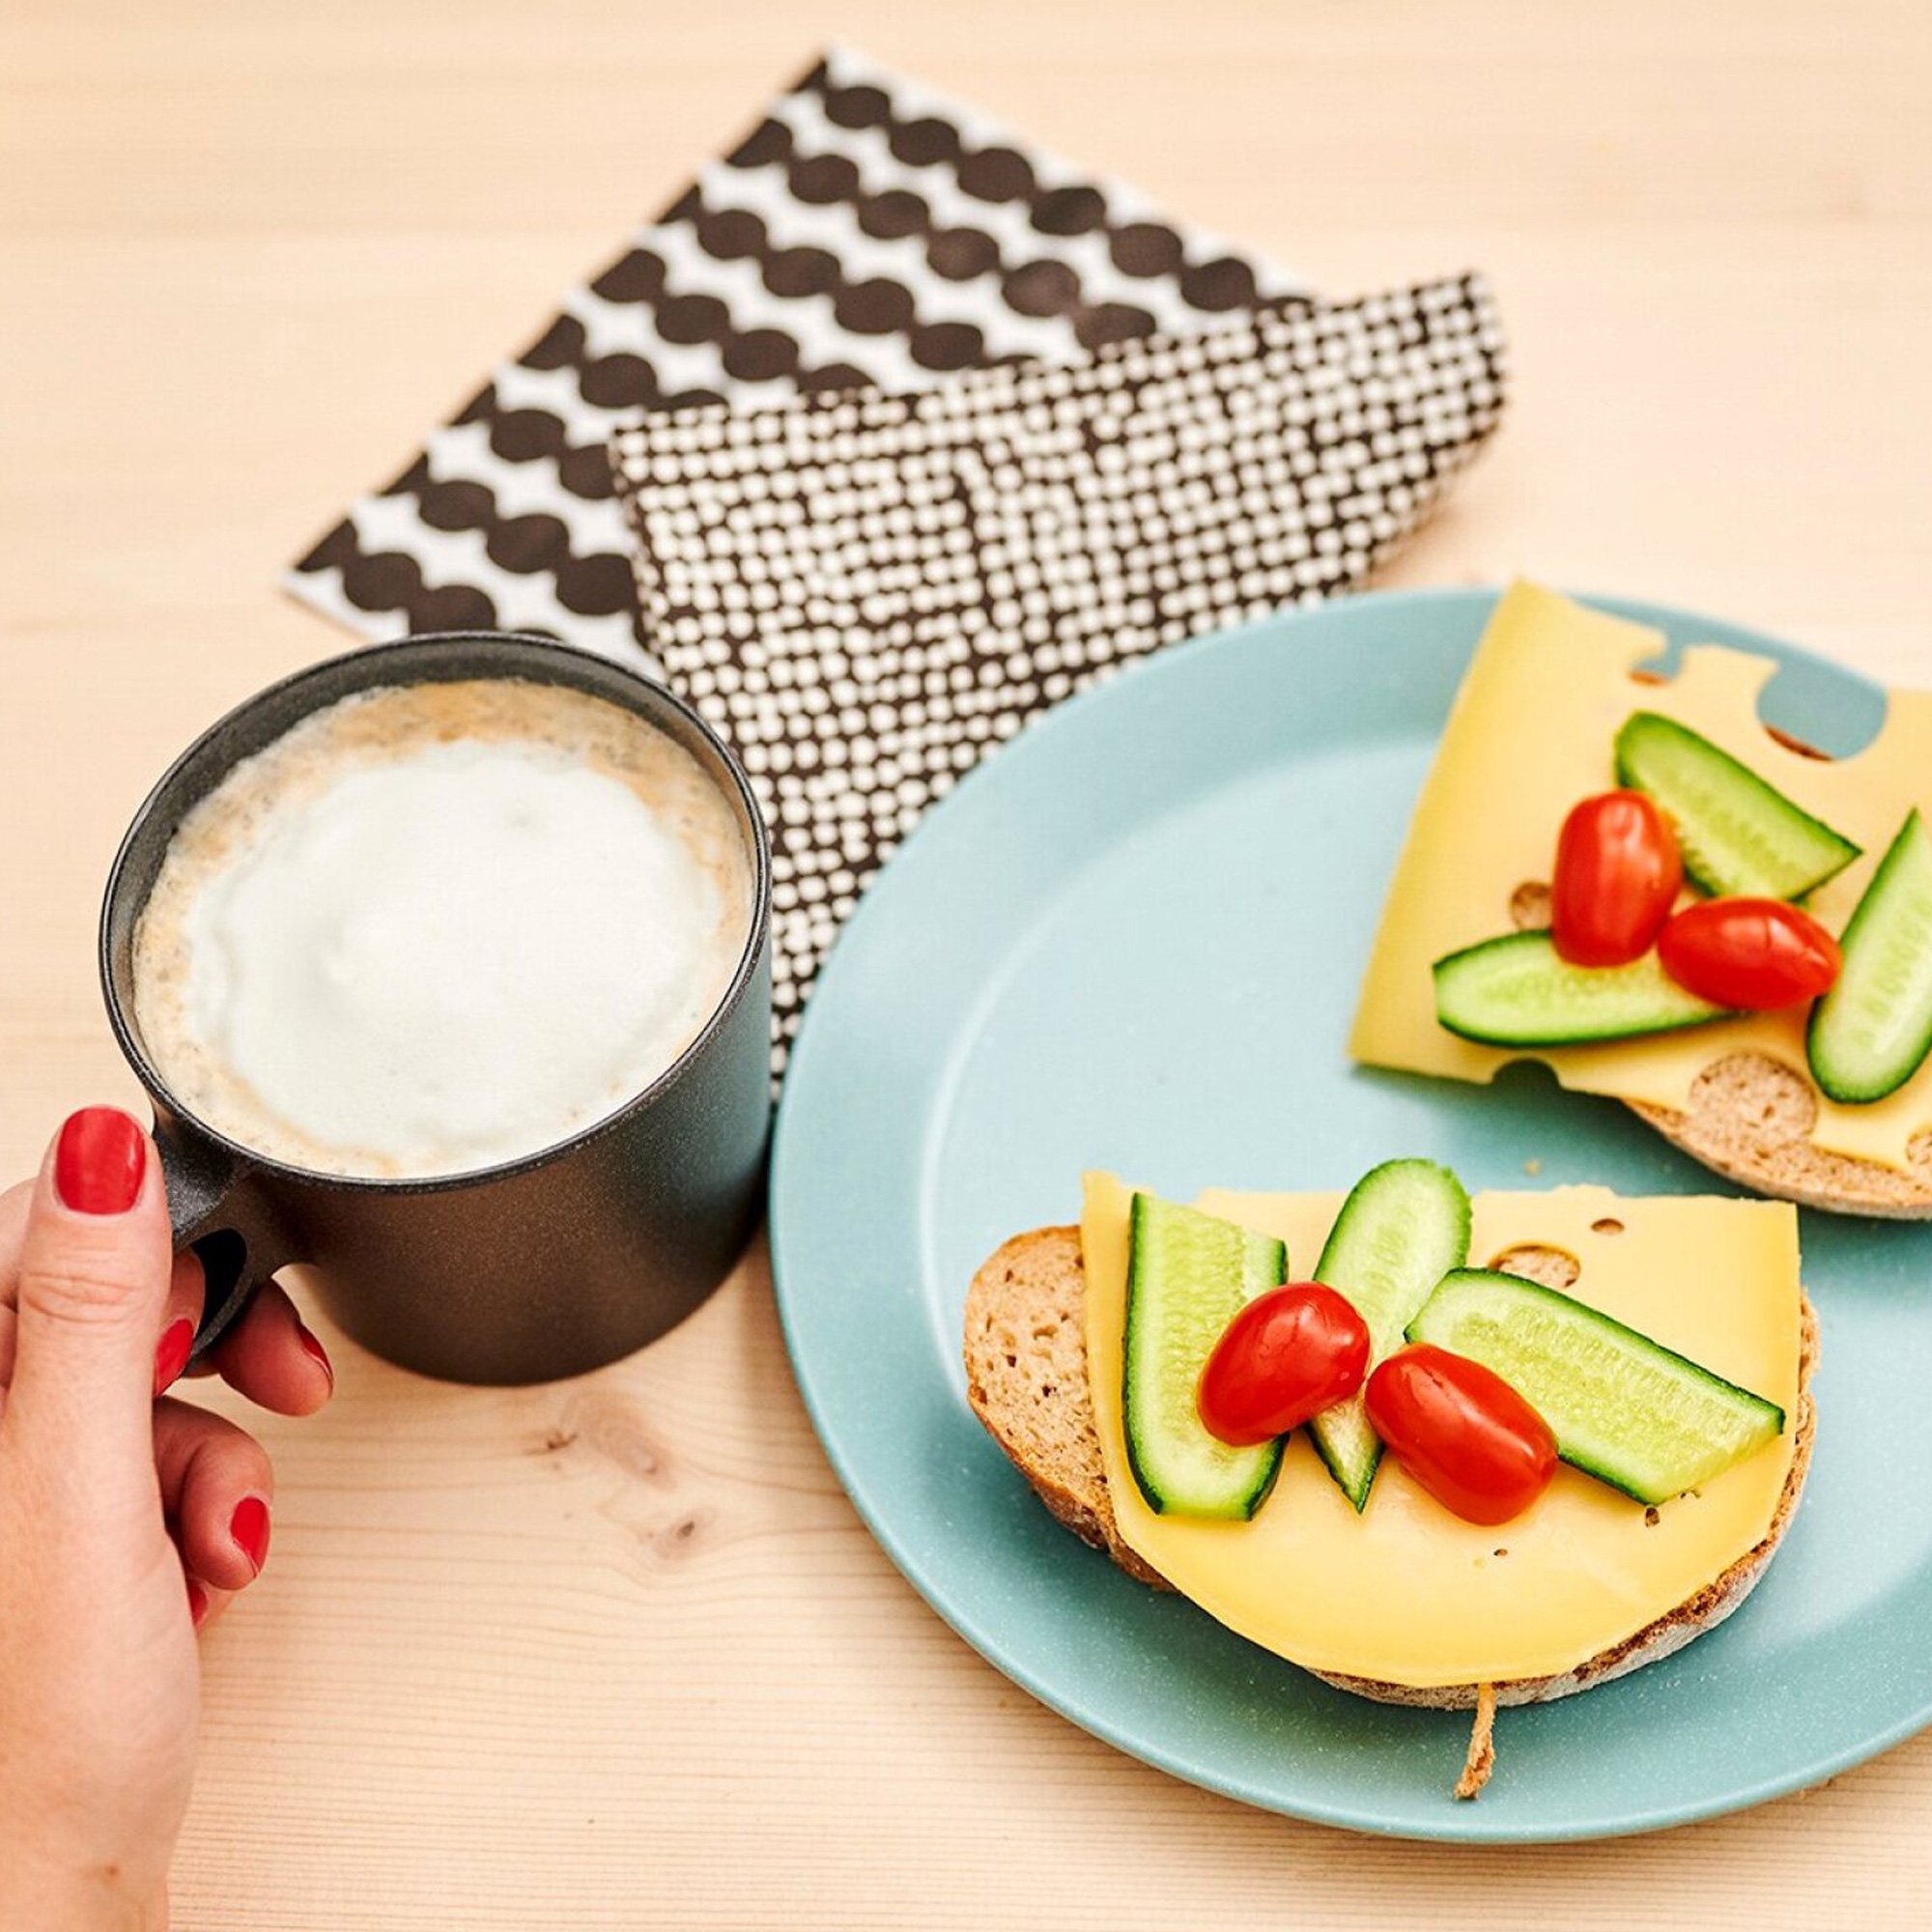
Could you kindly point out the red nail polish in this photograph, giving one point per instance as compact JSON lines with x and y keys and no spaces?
{"x":315,"y":1352}
{"x":171,"y":1357}
{"x":98,"y":1163}
{"x":197,"y":1603}
{"x":250,"y":1528}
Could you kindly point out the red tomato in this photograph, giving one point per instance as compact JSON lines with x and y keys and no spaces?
{"x":1617,"y":874}
{"x":1755,"y":953}
{"x":1289,"y":1354}
{"x":1462,"y":1431}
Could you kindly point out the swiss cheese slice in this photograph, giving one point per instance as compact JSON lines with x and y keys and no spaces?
{"x":1531,"y":733}
{"x":1408,"y":1593}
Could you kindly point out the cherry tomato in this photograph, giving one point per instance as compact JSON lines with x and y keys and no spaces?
{"x":1462,"y":1431}
{"x":1755,"y":953}
{"x":1617,"y":874}
{"x":1289,"y":1354}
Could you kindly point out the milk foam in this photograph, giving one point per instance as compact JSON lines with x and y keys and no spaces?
{"x":429,"y":941}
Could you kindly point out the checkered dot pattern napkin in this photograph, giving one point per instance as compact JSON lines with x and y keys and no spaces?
{"x":1130,"y":432}
{"x":865,"y":593}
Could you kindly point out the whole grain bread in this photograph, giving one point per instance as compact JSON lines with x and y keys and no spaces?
{"x":1749,"y":1120}
{"x":1026,"y":1378}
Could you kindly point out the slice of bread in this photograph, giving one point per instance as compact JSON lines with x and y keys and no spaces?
{"x":1026,"y":1378}
{"x":1749,"y":1119}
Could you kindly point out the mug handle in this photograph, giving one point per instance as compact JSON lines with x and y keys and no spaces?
{"x":218,"y":1207}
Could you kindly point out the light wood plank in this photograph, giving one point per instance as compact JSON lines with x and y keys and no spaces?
{"x":618,"y":1654}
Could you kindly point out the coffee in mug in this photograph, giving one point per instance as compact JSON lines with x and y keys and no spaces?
{"x":437,"y":926}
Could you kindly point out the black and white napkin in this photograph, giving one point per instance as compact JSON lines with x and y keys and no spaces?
{"x":920,"y":429}
{"x":868,"y":230}
{"x":864,"y":592}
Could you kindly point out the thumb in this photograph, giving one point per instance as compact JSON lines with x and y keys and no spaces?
{"x":95,"y":1262}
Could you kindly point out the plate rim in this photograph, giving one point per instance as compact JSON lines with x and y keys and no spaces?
{"x":1464,"y":1823}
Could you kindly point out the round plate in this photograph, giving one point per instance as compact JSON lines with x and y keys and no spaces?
{"x":1133,"y":940}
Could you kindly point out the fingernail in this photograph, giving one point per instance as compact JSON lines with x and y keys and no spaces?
{"x":171,"y":1357}
{"x":315,"y":1352}
{"x":98,"y":1161}
{"x":197,"y":1603}
{"x":250,"y":1528}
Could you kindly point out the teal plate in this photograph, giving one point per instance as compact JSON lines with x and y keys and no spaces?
{"x":1133,"y":940}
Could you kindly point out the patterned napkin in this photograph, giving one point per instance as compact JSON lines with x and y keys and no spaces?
{"x":1217,"y":445}
{"x":864,"y":592}
{"x":867,"y":231}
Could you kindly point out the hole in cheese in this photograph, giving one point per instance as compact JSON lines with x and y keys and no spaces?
{"x":1529,"y":906}
{"x":1533,"y":1261}
{"x":1790,"y":706}
{"x":1797,"y":745}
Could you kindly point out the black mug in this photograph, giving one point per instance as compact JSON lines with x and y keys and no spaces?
{"x":529,"y":1271}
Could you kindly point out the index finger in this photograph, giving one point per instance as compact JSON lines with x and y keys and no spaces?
{"x":187,"y":1290}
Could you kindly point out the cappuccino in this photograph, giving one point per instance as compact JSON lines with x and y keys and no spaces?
{"x":437,"y":926}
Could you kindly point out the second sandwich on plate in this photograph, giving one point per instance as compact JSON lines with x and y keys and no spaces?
{"x":1626,"y":876}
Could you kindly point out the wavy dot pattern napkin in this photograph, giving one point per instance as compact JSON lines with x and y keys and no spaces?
{"x":1128,"y":432}
{"x":865,"y":593}
{"x":868,"y":230}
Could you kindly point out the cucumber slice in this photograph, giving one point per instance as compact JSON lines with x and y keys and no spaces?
{"x":1402,"y":1229}
{"x":1739,"y":835}
{"x":1518,"y":991}
{"x":1187,"y":1275}
{"x":1871,"y":1032}
{"x":1622,"y":1408}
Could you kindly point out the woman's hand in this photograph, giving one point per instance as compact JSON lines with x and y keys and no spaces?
{"x":126,"y":1523}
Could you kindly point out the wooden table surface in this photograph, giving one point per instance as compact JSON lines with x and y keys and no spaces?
{"x":618,"y":1653}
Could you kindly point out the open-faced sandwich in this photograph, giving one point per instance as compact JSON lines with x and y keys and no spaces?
{"x":1632,"y":879}
{"x":1435,"y":1450}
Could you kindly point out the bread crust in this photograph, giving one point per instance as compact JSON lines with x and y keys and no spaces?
{"x":1034,"y":1402}
{"x":1026,"y":1378}
{"x":1749,"y":1119}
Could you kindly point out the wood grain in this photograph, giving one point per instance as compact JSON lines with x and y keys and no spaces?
{"x":617,"y":1654}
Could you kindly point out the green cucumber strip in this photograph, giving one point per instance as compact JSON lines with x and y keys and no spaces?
{"x":1187,"y":1275}
{"x":1519,"y":991}
{"x":1871,"y":1032}
{"x":1402,"y":1229}
{"x":1622,"y":1408}
{"x":1738,"y":834}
